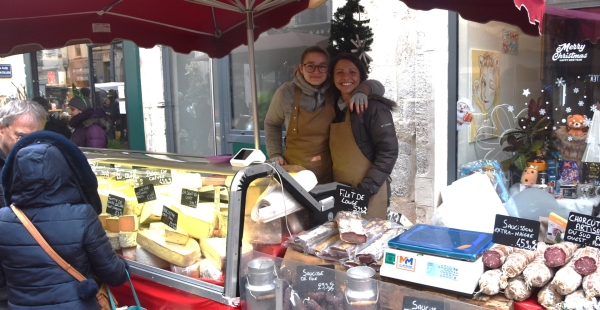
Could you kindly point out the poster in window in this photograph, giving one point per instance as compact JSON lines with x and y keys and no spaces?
{"x":510,"y":42}
{"x":485,"y":86}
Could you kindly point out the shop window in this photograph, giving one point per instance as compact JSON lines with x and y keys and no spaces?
{"x":545,"y":87}
{"x":277,"y":56}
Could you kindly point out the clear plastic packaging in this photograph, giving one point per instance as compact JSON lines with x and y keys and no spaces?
{"x":492,"y":169}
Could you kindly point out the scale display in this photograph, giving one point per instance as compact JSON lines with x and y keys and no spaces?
{"x":442,"y":241}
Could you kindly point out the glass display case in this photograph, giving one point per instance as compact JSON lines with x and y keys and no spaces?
{"x":169,"y":216}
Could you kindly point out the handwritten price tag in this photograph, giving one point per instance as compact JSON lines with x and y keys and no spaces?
{"x":351,"y":199}
{"x":516,"y":232}
{"x":326,"y":287}
{"x":315,"y":278}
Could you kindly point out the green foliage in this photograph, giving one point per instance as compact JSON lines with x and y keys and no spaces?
{"x":528,"y":143}
{"x":344,"y":28}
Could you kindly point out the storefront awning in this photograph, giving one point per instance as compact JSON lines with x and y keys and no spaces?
{"x":526,"y":14}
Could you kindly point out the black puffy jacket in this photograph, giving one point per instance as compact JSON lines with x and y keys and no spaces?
{"x":375,"y":135}
{"x":46,"y":187}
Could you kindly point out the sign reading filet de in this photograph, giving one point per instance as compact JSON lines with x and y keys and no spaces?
{"x":5,"y":71}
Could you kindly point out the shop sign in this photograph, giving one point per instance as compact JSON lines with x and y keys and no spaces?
{"x":415,"y":303}
{"x":189,"y":197}
{"x":5,"y":71}
{"x":315,"y":278}
{"x":583,"y":229}
{"x":169,"y":217}
{"x":115,"y":205}
{"x":351,"y":199}
{"x":516,"y":232}
{"x":570,"y":52}
{"x":145,"y":193}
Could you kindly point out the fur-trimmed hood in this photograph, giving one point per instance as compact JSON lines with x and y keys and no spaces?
{"x":392,"y":105}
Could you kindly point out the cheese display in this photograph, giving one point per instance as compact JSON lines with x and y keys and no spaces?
{"x":112,"y":224}
{"x":129,"y":223}
{"x":113,"y":238}
{"x":177,"y":254}
{"x":145,"y":257}
{"x":194,"y":222}
{"x":103,"y":218}
{"x":127,"y":239}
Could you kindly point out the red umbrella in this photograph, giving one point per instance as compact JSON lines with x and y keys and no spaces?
{"x":522,"y":13}
{"x":212,"y":26}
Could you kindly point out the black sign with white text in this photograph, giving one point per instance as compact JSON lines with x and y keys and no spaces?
{"x":414,"y":303}
{"x":516,"y":232}
{"x":583,"y":229}
{"x":169,"y":217}
{"x":351,"y":199}
{"x":189,"y":197}
{"x":115,"y":205}
{"x":145,"y":193}
{"x":315,"y":278}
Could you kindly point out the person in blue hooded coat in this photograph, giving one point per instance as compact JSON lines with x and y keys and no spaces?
{"x":50,"y":180}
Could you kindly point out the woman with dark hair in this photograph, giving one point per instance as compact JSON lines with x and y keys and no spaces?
{"x":49,"y":179}
{"x":305,"y":107}
{"x":364,"y":147}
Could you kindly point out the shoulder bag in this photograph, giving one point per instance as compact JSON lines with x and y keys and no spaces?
{"x":103,"y":293}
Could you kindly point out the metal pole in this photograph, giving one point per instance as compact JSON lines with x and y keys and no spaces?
{"x":250,"y":31}
{"x":212,"y":105}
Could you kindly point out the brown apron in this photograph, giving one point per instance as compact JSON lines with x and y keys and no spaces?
{"x":307,"y":140}
{"x":350,"y":166}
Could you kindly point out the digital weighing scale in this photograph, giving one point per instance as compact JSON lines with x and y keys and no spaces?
{"x":438,"y":257}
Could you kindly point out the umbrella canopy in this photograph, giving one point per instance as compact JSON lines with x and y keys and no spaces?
{"x":211,"y":26}
{"x":522,"y":13}
{"x":214,"y":27}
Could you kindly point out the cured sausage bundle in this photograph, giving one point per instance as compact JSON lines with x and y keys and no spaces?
{"x":537,"y":273}
{"x":517,"y":289}
{"x":558,"y":255}
{"x":591,"y":285}
{"x":495,"y":257}
{"x":517,"y":262}
{"x":566,"y":280}
{"x":489,"y":283}
{"x":548,"y":298}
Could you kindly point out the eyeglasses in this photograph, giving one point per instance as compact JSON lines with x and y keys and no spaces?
{"x":310,"y":68}
{"x":17,"y":137}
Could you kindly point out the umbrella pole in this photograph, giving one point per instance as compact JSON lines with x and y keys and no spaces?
{"x":250,"y":32}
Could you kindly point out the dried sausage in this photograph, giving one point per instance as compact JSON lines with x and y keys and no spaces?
{"x":587,"y":262}
{"x":489,"y":282}
{"x":495,"y":257}
{"x":548,"y":298}
{"x":517,"y":289}
{"x":559,"y":254}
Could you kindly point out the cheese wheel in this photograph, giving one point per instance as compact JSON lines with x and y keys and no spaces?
{"x":103,"y":218}
{"x":129,"y":223}
{"x":113,"y":239}
{"x":158,"y":226}
{"x":112,"y":224}
{"x":145,"y":257}
{"x":176,"y":236}
{"x":127,"y":239}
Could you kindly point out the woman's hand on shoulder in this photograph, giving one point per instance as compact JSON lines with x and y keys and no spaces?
{"x":360,"y":101}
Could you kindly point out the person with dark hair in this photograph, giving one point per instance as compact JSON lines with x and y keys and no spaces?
{"x":49,"y":179}
{"x":364,"y":147}
{"x":90,"y":125}
{"x":305,"y":107}
{"x":52,"y":123}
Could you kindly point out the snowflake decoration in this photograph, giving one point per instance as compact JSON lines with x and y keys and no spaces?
{"x":568,"y":110}
{"x":593,"y":108}
{"x":560,"y":82}
{"x":553,"y":127}
{"x":580,"y":103}
{"x":569,"y":138}
{"x":542,"y":111}
{"x":360,"y":48}
{"x":576,"y":90}
{"x":526,"y":92}
{"x":533,"y":118}
{"x":587,"y":122}
{"x":510,"y":108}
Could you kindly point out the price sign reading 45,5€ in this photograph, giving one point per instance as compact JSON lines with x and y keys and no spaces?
{"x":516,"y":232}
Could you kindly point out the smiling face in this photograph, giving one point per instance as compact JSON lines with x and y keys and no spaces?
{"x":346,"y":77}
{"x":315,"y":78}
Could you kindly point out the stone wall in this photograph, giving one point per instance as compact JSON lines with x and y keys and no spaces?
{"x":409,"y":51}
{"x":151,"y":75}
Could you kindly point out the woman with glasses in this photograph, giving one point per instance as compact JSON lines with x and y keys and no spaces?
{"x":367,"y":142}
{"x":305,"y":107}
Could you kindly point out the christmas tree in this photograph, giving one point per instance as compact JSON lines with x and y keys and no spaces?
{"x":350,"y":35}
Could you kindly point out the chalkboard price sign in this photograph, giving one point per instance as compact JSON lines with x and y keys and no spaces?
{"x":169,"y":217}
{"x":123,"y":174}
{"x":153,"y":176}
{"x":516,"y":232}
{"x":101,"y":169}
{"x":351,"y":199}
{"x":145,"y":193}
{"x":414,"y":303}
{"x":583,"y":229}
{"x":315,"y":278}
{"x":189,"y":197}
{"x":115,"y":205}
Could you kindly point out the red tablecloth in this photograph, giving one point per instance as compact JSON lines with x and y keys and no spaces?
{"x":529,"y":304}
{"x":155,"y":296}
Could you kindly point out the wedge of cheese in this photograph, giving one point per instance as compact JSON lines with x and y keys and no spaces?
{"x":127,"y":239}
{"x":145,"y":257}
{"x":215,"y":249}
{"x":176,"y":236}
{"x":129,"y":223}
{"x":158,"y":226}
{"x":151,"y":211}
{"x":194,"y":222}
{"x":223,"y":217}
{"x":177,"y":254}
